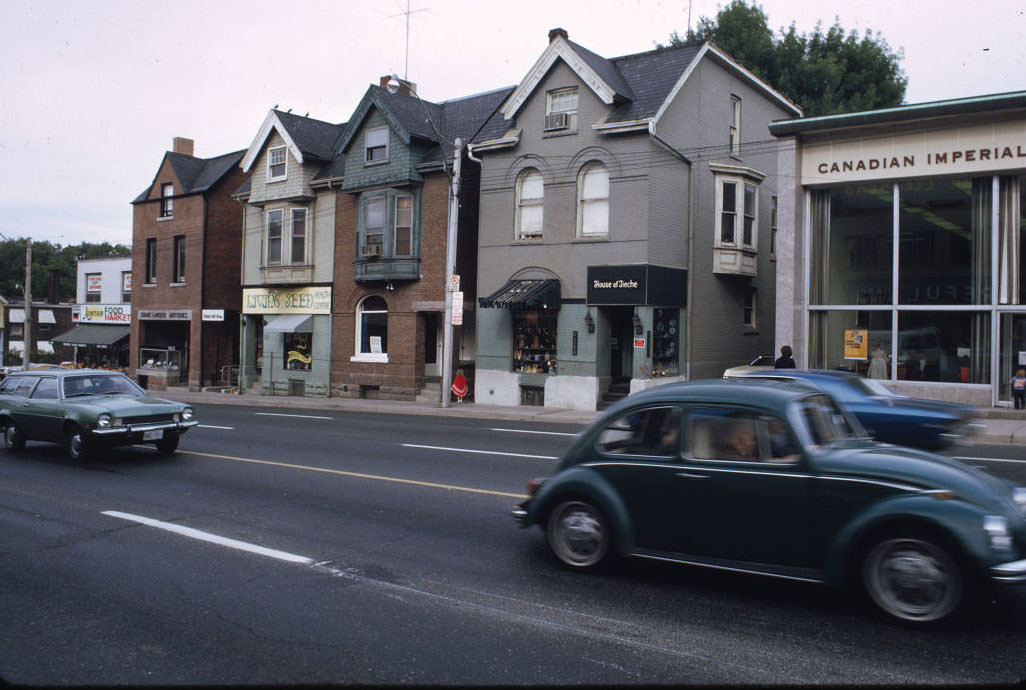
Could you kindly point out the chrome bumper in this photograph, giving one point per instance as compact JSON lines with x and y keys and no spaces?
{"x":1009,"y":572}
{"x":181,"y":427}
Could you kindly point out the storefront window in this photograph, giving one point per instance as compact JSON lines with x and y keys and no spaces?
{"x":665,"y":339}
{"x":944,"y":346}
{"x":534,"y":342}
{"x":944,"y":252}
{"x":858,"y":341}
{"x":297,"y":352}
{"x":852,"y":245}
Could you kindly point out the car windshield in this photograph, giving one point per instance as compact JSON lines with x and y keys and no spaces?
{"x":824,"y":423}
{"x":99,"y":384}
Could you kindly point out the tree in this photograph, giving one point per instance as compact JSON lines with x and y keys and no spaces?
{"x":47,"y":257}
{"x":824,"y":73}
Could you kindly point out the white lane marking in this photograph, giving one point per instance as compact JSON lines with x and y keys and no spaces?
{"x":212,"y":538}
{"x":526,"y":431}
{"x":211,"y":426}
{"x":300,"y":416}
{"x":481,"y":452}
{"x":963,"y":457}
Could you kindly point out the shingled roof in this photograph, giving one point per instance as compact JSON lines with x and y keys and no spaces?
{"x":195,"y":175}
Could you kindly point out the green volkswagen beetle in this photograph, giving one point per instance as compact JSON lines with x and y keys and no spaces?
{"x":775,"y":478}
{"x":86,"y":409}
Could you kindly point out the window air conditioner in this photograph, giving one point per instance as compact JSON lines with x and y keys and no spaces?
{"x":370,"y":250}
{"x":555,"y":121}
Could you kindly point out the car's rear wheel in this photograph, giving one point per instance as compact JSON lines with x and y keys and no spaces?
{"x":913,"y":577}
{"x":168,"y":444}
{"x":578,"y":534}
{"x":14,"y":439}
{"x":79,"y":447}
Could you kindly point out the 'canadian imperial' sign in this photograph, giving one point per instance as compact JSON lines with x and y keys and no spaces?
{"x":960,"y":150}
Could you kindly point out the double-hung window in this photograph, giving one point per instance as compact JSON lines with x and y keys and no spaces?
{"x":297,"y":253}
{"x":561,"y":110}
{"x":178,"y":269}
{"x":167,"y":201}
{"x":734,"y":136}
{"x":737,"y":202}
{"x":403,"y":231}
{"x":750,"y":307}
{"x":276,"y":164}
{"x":530,"y":204}
{"x":388,"y":228}
{"x":275,"y":221}
{"x":94,"y":287}
{"x":126,"y":286}
{"x":376,"y":146}
{"x":593,"y":201}
{"x":374,"y":225}
{"x":151,"y":261}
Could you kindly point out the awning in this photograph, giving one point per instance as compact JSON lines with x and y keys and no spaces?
{"x":290,"y":323}
{"x":525,"y":294}
{"x":86,"y":334}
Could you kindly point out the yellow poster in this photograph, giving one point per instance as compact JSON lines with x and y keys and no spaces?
{"x":856,"y":344}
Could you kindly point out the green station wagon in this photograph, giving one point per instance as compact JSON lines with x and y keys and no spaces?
{"x":86,"y":409}
{"x":774,"y":478}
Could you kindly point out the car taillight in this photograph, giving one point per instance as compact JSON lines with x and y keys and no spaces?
{"x":533,"y":485}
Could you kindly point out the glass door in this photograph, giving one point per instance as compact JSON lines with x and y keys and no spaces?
{"x":1012,"y":356}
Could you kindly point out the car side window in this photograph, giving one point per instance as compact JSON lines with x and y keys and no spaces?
{"x":46,"y":389}
{"x":653,"y":431}
{"x":739,"y":436}
{"x":20,"y":386}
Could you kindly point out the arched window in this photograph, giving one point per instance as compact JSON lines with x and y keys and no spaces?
{"x":530,"y":204}
{"x":593,"y":201}
{"x":371,"y":330}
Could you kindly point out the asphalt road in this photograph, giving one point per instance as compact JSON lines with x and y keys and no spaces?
{"x":335,"y":547}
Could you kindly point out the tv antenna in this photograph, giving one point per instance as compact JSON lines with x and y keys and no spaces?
{"x":407,"y":13}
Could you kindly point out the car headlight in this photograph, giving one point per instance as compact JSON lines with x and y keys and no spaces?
{"x":187,"y":414}
{"x":103,"y":421}
{"x":996,"y":528}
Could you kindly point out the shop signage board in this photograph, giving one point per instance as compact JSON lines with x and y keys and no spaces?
{"x":102,"y":313}
{"x":213,"y":315}
{"x":165,"y":314}
{"x":856,"y":344}
{"x":305,"y":300}
{"x":636,"y":284}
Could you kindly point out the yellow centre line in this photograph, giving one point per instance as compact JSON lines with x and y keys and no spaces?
{"x":357,"y":475}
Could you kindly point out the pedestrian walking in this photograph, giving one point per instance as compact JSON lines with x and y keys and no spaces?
{"x":785,"y":360}
{"x":459,"y":386}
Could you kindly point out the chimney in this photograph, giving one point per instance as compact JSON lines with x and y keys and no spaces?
{"x":182,"y":145}
{"x":557,"y":32}
{"x":53,"y":287}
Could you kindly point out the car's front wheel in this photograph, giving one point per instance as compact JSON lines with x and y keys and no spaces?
{"x":79,"y":447}
{"x":913,"y":577}
{"x":168,"y":444}
{"x":578,"y":534}
{"x":14,"y":439}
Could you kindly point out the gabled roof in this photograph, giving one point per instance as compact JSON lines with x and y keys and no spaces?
{"x":412,"y":117}
{"x":637,"y":87}
{"x":307,"y":139}
{"x":195,"y":175}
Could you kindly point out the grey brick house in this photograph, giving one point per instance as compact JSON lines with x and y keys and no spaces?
{"x":627,"y":224}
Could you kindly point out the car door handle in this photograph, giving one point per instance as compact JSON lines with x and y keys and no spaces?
{"x":688,"y":475}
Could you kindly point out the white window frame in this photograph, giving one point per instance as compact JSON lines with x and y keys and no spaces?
{"x":564,"y":100}
{"x":590,"y":201}
{"x":734,"y":134}
{"x":280,"y":213}
{"x":359,"y":356}
{"x":377,"y":138}
{"x":750,"y":312}
{"x":277,"y":157}
{"x":396,"y":226}
{"x":741,"y":212}
{"x":774,"y":210}
{"x":301,"y":259}
{"x":530,"y":203}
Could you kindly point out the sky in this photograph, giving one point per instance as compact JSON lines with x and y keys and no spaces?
{"x":93,"y":92}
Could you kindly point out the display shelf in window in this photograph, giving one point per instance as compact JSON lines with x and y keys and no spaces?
{"x":534,"y":343}
{"x":666,"y":343}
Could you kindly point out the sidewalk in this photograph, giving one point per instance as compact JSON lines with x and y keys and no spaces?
{"x":1000,"y":425}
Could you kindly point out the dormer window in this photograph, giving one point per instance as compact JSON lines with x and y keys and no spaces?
{"x":376,"y":146}
{"x":167,"y":201}
{"x":276,"y":164}
{"x":561,"y":110}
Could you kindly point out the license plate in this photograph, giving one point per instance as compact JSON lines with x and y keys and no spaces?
{"x":155,"y":435}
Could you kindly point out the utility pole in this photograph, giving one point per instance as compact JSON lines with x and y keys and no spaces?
{"x":27,"y":292}
{"x":450,"y":268}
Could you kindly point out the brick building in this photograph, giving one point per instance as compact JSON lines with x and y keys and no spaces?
{"x":186,"y":236}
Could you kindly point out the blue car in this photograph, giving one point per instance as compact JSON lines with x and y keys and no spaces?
{"x":888,"y":416}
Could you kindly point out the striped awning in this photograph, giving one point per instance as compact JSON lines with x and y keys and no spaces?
{"x":525,"y":294}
